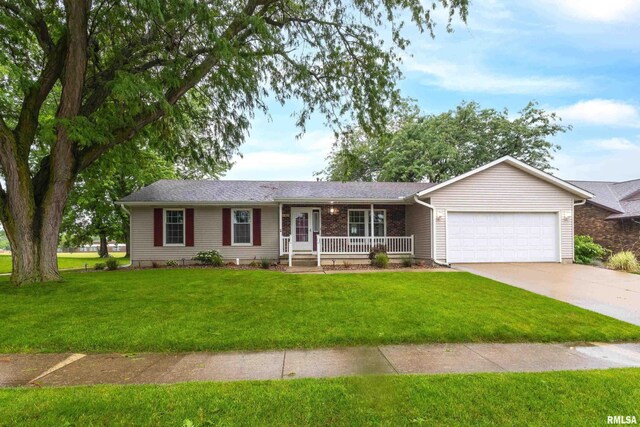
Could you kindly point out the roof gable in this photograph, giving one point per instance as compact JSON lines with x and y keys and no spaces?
{"x":579,"y":192}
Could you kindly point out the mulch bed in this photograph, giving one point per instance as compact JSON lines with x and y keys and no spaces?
{"x":394,"y":266}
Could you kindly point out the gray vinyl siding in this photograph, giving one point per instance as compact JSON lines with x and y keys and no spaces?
{"x":418,"y":223}
{"x":207,"y":236}
{"x":504,"y":188}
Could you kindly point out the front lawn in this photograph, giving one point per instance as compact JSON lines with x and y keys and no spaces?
{"x":68,"y":260}
{"x":548,"y":399}
{"x":208,"y":309}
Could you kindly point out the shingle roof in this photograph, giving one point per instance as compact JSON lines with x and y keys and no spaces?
{"x":622,"y":198}
{"x":209,"y":191}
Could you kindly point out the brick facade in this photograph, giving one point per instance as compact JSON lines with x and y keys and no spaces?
{"x":336,"y":224}
{"x":616,"y":235}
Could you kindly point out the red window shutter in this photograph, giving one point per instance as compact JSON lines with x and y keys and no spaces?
{"x":189,"y":227}
{"x":257,"y":227}
{"x":157,"y":227}
{"x":226,"y":227}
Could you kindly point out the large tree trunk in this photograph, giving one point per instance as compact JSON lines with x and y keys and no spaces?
{"x":34,"y":246}
{"x":103,"y":250}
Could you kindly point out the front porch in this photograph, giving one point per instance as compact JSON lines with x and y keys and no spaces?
{"x":347,"y":232}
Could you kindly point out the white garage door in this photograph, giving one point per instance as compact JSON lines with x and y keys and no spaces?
{"x":502,"y":237}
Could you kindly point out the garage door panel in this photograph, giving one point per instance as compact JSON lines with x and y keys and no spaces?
{"x":502,"y":237}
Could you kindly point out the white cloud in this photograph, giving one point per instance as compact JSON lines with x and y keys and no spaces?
{"x":615,"y":144}
{"x":471,"y":78}
{"x":616,"y":166}
{"x":283,"y":159}
{"x":595,"y":10}
{"x":601,"y":112}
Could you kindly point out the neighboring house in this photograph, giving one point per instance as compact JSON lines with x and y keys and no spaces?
{"x":505,"y":211}
{"x":612,"y":217}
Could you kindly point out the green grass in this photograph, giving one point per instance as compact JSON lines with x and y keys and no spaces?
{"x":67,"y":260}
{"x":548,"y":399}
{"x":208,"y":309}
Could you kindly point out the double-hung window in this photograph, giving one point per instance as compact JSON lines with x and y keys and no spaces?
{"x":174,"y":227}
{"x":241,"y":226}
{"x":357,"y":223}
{"x":360,"y":222}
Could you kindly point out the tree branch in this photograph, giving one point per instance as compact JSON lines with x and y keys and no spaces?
{"x":40,"y":27}
{"x":90,"y":154}
{"x":37,"y":94}
{"x":35,"y":21}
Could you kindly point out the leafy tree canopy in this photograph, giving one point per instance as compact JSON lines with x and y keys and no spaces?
{"x":438,"y":147}
{"x":81,"y":77}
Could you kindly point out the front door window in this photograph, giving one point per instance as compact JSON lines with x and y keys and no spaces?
{"x":302,"y":227}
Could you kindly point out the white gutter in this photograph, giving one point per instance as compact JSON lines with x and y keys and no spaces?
{"x":433,"y":229}
{"x":415,"y":199}
{"x":580,"y":203}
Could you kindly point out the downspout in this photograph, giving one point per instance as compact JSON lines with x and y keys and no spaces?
{"x":124,"y":208}
{"x":433,"y":228}
{"x":579,"y":203}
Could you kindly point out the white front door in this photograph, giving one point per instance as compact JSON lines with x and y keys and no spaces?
{"x":301,"y":229}
{"x":502,"y":237}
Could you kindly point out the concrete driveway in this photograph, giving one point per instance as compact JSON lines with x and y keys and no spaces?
{"x":613,"y":293}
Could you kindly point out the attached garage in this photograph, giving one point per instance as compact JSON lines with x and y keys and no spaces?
{"x":503,"y":237}
{"x":505,"y":211}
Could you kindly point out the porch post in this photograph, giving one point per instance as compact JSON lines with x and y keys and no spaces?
{"x":280,"y":227}
{"x":290,"y":249}
{"x":319,"y":249}
{"x":371,"y":225}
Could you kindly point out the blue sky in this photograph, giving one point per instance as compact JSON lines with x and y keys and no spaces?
{"x":579,"y":58}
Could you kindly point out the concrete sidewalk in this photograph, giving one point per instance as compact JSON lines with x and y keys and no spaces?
{"x":160,"y":368}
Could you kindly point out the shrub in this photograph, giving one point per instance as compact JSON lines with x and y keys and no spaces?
{"x":155,"y":264}
{"x":381,"y":260}
{"x":112,"y":263}
{"x":586,"y":250}
{"x":406,"y":261}
{"x":377,"y":249}
{"x":212,"y":257}
{"x":624,"y":260}
{"x":346,"y":264}
{"x":172,"y":263}
{"x":99,"y":266}
{"x":254,"y":263}
{"x":265,"y":263}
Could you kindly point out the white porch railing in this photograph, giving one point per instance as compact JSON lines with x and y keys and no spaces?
{"x":331,"y":245}
{"x":285,"y":241}
{"x":362,"y":245}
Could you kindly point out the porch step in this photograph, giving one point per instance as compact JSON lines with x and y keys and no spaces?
{"x":304,"y":262}
{"x":302,"y":269}
{"x":301,"y":260}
